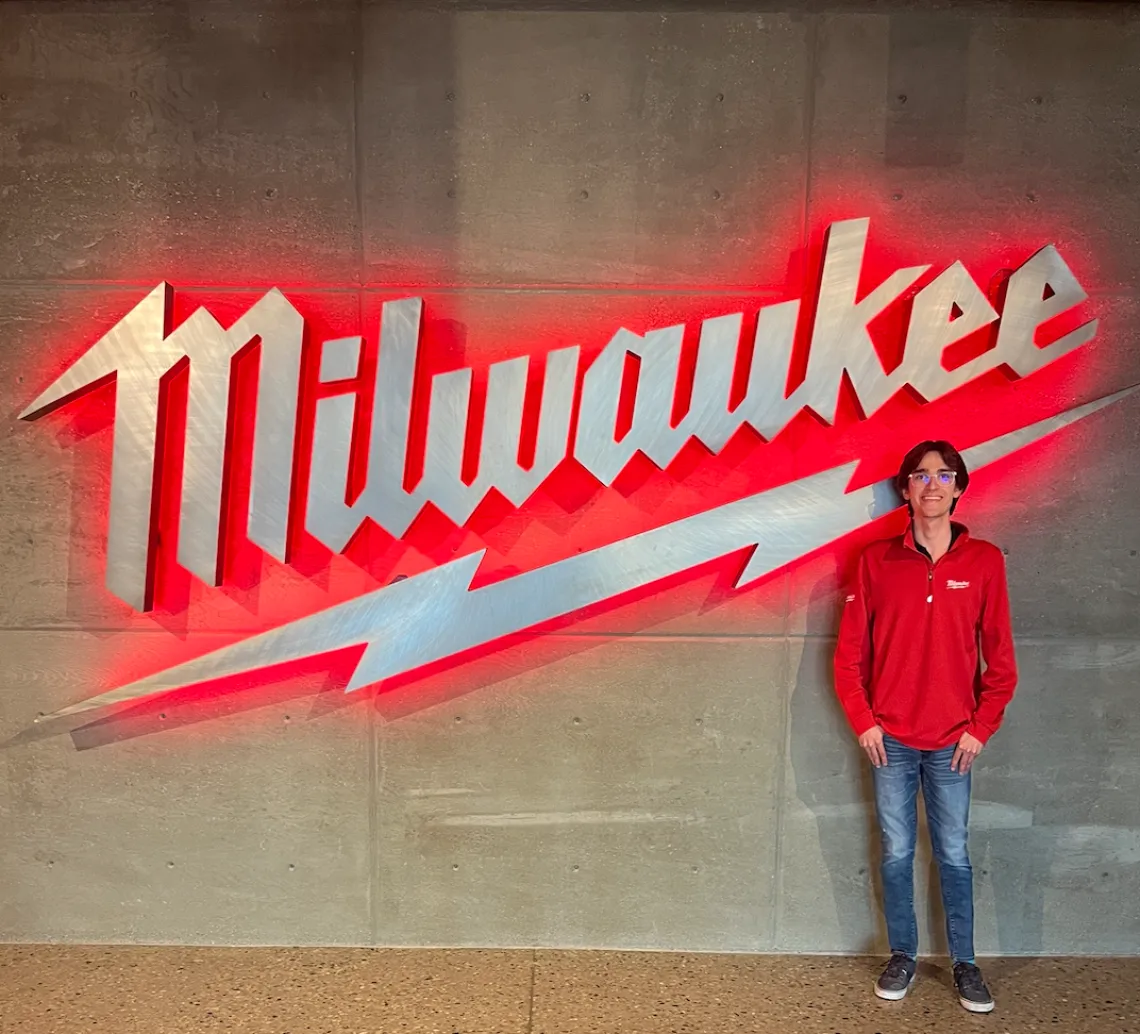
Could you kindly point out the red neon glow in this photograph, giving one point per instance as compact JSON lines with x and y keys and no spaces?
{"x":571,"y":512}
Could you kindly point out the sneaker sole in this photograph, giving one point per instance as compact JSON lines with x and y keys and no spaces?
{"x":976,"y":1006}
{"x":896,"y":996}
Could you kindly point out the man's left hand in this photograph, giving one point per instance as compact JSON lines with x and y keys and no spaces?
{"x":964,"y":754}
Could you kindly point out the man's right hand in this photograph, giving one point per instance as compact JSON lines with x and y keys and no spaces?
{"x":872,"y":743}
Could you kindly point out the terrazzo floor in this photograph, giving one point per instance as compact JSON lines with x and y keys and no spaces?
{"x":350,"y":991}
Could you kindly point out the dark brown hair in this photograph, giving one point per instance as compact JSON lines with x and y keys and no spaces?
{"x":950,"y":456}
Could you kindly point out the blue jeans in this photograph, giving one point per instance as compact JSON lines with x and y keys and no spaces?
{"x":947,"y":797}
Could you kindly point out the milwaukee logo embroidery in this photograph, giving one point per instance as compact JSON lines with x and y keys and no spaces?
{"x":952,"y":584}
{"x":435,"y":614}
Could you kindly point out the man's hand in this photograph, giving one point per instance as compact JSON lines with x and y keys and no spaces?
{"x":872,"y":743}
{"x":969,"y":747}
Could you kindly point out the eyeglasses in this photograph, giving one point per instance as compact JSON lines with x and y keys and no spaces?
{"x":922,"y":477}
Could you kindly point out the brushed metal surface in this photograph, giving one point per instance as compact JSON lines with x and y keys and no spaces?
{"x":340,"y":359}
{"x":933,"y":328}
{"x":137,"y":350}
{"x":1026,"y":308}
{"x":328,"y":515}
{"x":596,"y":445}
{"x":839,"y":339}
{"x":332,"y":519}
{"x":142,"y":354}
{"x":211,"y":350}
{"x":767,"y":406}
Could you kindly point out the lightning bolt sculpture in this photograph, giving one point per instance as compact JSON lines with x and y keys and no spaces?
{"x":436,"y":614}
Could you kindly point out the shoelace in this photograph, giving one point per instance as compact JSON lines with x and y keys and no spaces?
{"x":970,"y":978}
{"x":898,"y":965}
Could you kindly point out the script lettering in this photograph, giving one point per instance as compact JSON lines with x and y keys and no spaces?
{"x":142,"y":354}
{"x":332,"y":519}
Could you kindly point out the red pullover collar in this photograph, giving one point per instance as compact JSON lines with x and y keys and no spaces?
{"x":959,"y":533}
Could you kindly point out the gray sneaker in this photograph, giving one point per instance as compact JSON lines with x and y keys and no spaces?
{"x":972,"y":990}
{"x":896,"y":978}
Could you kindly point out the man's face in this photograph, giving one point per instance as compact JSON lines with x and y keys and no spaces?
{"x":932,"y":487}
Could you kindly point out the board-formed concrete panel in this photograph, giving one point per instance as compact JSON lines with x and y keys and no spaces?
{"x":975,"y":129}
{"x":1071,"y":524}
{"x":623,"y":796}
{"x":1064,"y":773}
{"x":51,"y":532}
{"x":583,"y":147}
{"x":211,"y":140}
{"x":825,"y":874}
{"x":1054,"y":820}
{"x":234,"y":820}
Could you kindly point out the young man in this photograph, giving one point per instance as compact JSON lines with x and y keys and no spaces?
{"x":908,"y":676}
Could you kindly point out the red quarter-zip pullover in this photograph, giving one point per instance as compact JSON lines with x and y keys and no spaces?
{"x":908,"y":657}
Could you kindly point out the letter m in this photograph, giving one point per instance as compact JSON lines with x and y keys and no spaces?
{"x":141,"y":356}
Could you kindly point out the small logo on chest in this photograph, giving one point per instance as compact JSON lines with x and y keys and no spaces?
{"x":953,"y":584}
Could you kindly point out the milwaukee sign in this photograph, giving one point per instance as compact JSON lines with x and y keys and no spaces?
{"x":435,"y":614}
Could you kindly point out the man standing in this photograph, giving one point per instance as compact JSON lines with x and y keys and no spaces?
{"x":907,"y":673}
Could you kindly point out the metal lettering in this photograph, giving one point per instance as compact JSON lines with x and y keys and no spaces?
{"x":839,"y":339}
{"x":333,"y":519}
{"x":212,"y":350}
{"x":1027,"y":308}
{"x":934,"y":327}
{"x":596,"y":444}
{"x":135,"y":351}
{"x":766,"y":406}
{"x":142,"y":355}
{"x":328,"y":516}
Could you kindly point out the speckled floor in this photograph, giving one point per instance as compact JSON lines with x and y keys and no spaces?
{"x":330,"y":991}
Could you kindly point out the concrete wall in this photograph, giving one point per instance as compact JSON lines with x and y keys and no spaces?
{"x":670,"y":774}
